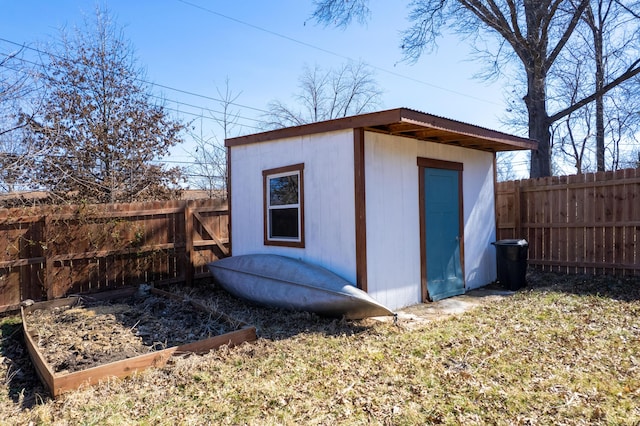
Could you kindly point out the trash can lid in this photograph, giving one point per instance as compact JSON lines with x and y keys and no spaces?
{"x":511,"y":242}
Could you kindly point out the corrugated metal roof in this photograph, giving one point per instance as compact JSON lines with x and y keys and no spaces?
{"x":403,"y":122}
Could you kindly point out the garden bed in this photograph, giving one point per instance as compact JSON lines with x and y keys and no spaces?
{"x":82,"y":340}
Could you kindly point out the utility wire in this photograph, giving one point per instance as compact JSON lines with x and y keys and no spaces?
{"x":186,"y":92}
{"x":200,"y":107}
{"x":330,"y":52}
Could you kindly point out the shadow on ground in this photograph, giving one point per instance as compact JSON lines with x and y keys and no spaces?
{"x":625,"y":289}
{"x":617,"y":288}
{"x":25,"y":388}
{"x":271,"y":323}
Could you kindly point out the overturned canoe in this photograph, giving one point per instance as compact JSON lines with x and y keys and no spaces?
{"x":292,"y":284}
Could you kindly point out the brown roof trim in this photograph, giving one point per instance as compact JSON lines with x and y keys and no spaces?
{"x":403,"y":122}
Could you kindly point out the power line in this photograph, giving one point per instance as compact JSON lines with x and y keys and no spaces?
{"x":204,"y":108}
{"x":160,"y":97}
{"x":330,"y":52}
{"x":186,"y":92}
{"x":193,"y":114}
{"x":39,"y":159}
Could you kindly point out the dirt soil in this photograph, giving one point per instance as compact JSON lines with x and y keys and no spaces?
{"x":98,"y":332}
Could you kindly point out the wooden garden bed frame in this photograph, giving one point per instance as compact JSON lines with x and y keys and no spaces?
{"x":58,"y":383}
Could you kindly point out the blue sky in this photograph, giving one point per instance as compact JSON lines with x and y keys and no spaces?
{"x":262,"y":47}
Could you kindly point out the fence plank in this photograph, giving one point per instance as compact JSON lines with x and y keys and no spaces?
{"x":561,"y":216}
{"x":537,"y":207}
{"x":618,"y":218}
{"x":608,"y":232}
{"x":632,"y":233}
{"x":505,"y":210}
{"x":552,"y":246}
{"x":188,"y":229}
{"x":590,"y":207}
{"x":576,"y":233}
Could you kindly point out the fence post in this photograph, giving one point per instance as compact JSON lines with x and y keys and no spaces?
{"x":48,"y":269}
{"x":188,"y":231}
{"x":517,"y":214}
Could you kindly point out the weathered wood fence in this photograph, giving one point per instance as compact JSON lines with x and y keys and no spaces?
{"x":53,"y":251}
{"x":587,"y":223}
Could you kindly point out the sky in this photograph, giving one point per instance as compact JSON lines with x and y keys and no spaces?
{"x":191,"y":48}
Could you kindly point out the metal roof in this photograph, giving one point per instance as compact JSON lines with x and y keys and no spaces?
{"x":403,"y":122}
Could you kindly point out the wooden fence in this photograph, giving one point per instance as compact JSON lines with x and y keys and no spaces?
{"x":587,"y":223}
{"x":54,"y":251}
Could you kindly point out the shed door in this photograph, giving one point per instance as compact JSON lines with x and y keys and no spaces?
{"x":442,"y":231}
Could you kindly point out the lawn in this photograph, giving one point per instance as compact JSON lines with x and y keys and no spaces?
{"x":565,"y":350}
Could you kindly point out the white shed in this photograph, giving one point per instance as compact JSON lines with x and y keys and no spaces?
{"x":398,"y":202}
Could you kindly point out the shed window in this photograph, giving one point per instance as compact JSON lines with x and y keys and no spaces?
{"x":284,"y":206}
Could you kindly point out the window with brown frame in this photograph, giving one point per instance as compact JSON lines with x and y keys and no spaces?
{"x":284,"y":206}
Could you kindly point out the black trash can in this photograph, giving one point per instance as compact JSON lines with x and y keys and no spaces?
{"x":511,"y":262}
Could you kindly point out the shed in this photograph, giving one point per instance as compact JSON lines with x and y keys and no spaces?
{"x":399,"y":202}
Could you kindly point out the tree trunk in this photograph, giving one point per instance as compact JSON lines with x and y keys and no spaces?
{"x":538,"y":124}
{"x":533,"y":56}
{"x":598,"y":47}
{"x":600,"y":134}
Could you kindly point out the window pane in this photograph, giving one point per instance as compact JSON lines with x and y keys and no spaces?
{"x":283,"y":190}
{"x":284,"y":223}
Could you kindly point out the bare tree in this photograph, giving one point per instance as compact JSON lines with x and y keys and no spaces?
{"x":622,"y":126}
{"x":573,"y":134}
{"x":610,"y":32}
{"x":327,"y":94}
{"x":596,"y":18}
{"x":19,"y":101}
{"x":572,"y":145}
{"x":13,"y":80}
{"x":593,"y":135}
{"x":209,"y":168}
{"x":531,"y":33}
{"x":100,"y":131}
{"x":208,"y":157}
{"x":505,"y":167}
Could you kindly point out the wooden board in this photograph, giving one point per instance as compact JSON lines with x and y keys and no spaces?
{"x":58,"y":383}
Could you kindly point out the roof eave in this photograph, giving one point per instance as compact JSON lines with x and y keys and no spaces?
{"x":483,"y":139}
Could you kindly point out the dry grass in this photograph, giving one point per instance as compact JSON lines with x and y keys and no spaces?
{"x":566,"y":351}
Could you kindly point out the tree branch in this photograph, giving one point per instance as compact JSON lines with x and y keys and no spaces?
{"x":495,"y":20}
{"x":631,"y":72}
{"x":575,"y":19}
{"x":628,"y":9}
{"x":340,"y":12}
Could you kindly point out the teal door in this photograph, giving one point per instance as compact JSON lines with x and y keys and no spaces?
{"x":442,"y":233}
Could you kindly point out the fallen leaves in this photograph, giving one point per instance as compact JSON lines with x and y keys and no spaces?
{"x":554,"y":353}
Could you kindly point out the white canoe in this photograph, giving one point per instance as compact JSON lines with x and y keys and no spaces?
{"x":288,"y":283}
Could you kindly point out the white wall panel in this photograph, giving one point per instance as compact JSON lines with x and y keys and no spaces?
{"x":393,"y":220}
{"x":329,"y":198}
{"x":479,"y":219}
